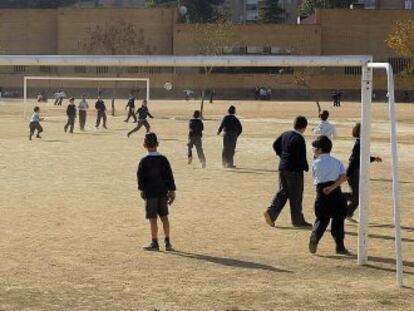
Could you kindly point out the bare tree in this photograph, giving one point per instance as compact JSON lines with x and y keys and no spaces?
{"x":114,"y":38}
{"x":211,"y":39}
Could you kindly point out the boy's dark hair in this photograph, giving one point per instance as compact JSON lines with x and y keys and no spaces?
{"x":324,"y":115}
{"x":72,"y":99}
{"x":196,"y":114}
{"x":36,"y":109}
{"x":323,"y":143}
{"x":356,"y":130}
{"x":300,"y":123}
{"x":231,"y":110}
{"x":151,"y":140}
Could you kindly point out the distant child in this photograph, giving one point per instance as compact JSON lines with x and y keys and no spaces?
{"x":83,"y":110}
{"x":195,"y":135}
{"x":324,"y":128}
{"x":353,"y":173}
{"x":142,"y":113}
{"x":131,"y":109}
{"x":157,"y":186}
{"x":330,"y":203}
{"x":71,"y":113}
{"x":35,"y":123}
{"x":101,"y":112}
{"x":232,"y":129}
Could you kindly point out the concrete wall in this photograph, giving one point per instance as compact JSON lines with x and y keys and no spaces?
{"x":358,"y":31}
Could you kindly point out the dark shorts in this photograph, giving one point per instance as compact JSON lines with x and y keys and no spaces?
{"x":156,"y":206}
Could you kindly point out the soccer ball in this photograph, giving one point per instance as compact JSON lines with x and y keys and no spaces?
{"x":168,"y":86}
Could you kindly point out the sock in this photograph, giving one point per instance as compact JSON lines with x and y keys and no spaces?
{"x":167,"y":240}
{"x":155,"y":241}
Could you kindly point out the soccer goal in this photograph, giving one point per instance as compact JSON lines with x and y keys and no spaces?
{"x":27,"y":79}
{"x":364,"y":62}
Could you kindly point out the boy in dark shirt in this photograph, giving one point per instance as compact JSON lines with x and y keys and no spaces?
{"x":101,"y":112}
{"x":157,"y":187}
{"x":131,"y":109}
{"x":232,"y":129}
{"x":195,"y":134}
{"x":71,"y":113}
{"x":142,"y":113}
{"x":291,"y":149}
{"x":353,"y":173}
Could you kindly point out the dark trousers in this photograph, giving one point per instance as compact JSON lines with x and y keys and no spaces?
{"x":141,"y":123}
{"x":290,"y":187}
{"x":131,"y":113}
{"x":82,"y":119}
{"x":353,"y":196}
{"x":332,"y":206}
{"x":229,"y":148}
{"x":70,"y":124}
{"x":101,"y":115}
{"x":197,"y":142}
{"x":58,"y":101}
{"x":33,"y":126}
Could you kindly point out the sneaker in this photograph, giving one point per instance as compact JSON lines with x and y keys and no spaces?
{"x":231,"y":166}
{"x":128,"y":134}
{"x":126,"y":121}
{"x":105,"y":127}
{"x":168,"y":247}
{"x":152,"y":247}
{"x":302,"y":224}
{"x":203,"y":164}
{"x":190,"y":160}
{"x":30,"y":137}
{"x":38,"y":136}
{"x":313,"y":243}
{"x":268,"y":219}
{"x":342,"y":251}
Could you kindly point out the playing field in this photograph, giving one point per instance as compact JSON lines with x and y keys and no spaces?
{"x":72,"y":223}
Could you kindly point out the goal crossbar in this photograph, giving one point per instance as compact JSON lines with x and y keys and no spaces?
{"x":365,"y":62}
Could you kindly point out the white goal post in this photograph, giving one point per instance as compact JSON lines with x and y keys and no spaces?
{"x":108,"y":79}
{"x":365,"y":62}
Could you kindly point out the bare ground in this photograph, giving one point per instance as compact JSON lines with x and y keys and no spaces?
{"x":72,"y":224}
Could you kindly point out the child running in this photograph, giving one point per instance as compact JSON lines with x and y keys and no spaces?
{"x":35,"y":123}
{"x":157,"y":187}
{"x":328,"y":175}
{"x":195,"y":135}
{"x":142,"y":113}
{"x":131,"y":109}
{"x":71,"y":114}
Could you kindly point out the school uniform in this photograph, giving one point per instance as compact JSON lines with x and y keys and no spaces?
{"x":101,"y":113}
{"x":325,"y":129}
{"x":83,"y":109}
{"x":326,"y":170}
{"x":291,"y":149}
{"x":232,"y":129}
{"x":35,"y":124}
{"x":155,"y":178}
{"x":352,"y":173}
{"x":143,"y":113}
{"x":131,"y":110}
{"x":195,"y":135}
{"x":71,"y":113}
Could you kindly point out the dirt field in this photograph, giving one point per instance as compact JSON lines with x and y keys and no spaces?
{"x":72,"y":224}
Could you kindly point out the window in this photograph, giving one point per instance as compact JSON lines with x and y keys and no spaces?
{"x":399,"y":64}
{"x":80,"y":69}
{"x":19,"y":69}
{"x":133,"y":69}
{"x":47,"y":69}
{"x":102,"y":70}
{"x":353,"y":71}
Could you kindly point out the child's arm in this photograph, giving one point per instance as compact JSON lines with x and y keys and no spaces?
{"x":150,"y":115}
{"x":169,"y":181}
{"x":140,"y":179}
{"x":342,"y":178}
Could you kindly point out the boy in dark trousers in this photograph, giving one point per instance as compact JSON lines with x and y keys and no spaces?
{"x":100,"y":112}
{"x":71,"y":113}
{"x":290,"y":147}
{"x":35,"y":123}
{"x":353,"y":173}
{"x":131,"y":109}
{"x":232,"y":129}
{"x":142,"y":113}
{"x":195,"y":135}
{"x":330,"y":203}
{"x":157,"y":187}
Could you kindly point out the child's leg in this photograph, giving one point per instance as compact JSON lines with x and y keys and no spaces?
{"x":32,"y":130}
{"x":354,"y":200}
{"x":338,"y":232}
{"x":146,"y":125}
{"x":190,"y":147}
{"x":154,"y":229}
{"x":39,"y":130}
{"x":136,"y":129}
{"x":319,"y":227}
{"x":199,"y":147}
{"x":166,"y":226}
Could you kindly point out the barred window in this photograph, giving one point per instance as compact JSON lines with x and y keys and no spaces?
{"x":47,"y":69}
{"x":399,"y":64}
{"x":353,"y":71}
{"x":19,"y":69}
{"x":102,"y":70}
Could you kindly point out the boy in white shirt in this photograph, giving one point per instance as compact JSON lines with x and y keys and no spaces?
{"x":324,"y":128}
{"x":35,"y":123}
{"x":330,"y":203}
